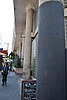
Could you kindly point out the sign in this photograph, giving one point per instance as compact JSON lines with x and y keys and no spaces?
{"x":4,"y":51}
{"x":28,"y":90}
{"x":1,"y":48}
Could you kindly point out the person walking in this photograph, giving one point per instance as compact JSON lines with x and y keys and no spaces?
{"x":4,"y":71}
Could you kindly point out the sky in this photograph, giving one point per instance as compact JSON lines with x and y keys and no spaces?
{"x":6,"y":23}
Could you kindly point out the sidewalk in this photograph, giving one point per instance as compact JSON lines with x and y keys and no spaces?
{"x":13,"y":89}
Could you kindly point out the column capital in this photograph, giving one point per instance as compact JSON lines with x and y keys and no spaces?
{"x":28,"y":7}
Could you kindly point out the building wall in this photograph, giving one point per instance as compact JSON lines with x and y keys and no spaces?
{"x":14,"y":38}
{"x":65,"y":3}
{"x":66,"y":32}
{"x":34,"y":56}
{"x":34,"y":44}
{"x":35,"y":19}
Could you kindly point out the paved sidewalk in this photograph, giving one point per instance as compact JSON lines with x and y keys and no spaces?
{"x":12,"y":91}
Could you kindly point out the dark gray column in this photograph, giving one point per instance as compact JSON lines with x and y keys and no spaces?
{"x":51,"y":52}
{"x":66,"y":74}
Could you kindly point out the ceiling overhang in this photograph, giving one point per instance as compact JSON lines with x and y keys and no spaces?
{"x":20,"y":16}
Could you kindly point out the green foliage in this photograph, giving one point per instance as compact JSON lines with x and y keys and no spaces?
{"x":16,"y":60}
{"x":12,"y":56}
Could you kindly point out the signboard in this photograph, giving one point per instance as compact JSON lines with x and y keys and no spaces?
{"x":28,"y":90}
{"x":4,"y":51}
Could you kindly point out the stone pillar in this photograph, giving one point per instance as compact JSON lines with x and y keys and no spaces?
{"x":22,"y":53}
{"x":27,"y":49}
{"x":19,"y":49}
{"x":51,"y":51}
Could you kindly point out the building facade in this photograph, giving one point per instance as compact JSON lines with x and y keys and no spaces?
{"x":43,"y":49}
{"x":17,"y":40}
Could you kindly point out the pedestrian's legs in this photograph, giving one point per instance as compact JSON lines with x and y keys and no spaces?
{"x":5,"y":78}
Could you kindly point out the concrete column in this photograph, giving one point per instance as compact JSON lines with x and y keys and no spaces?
{"x":27,"y":49}
{"x":22,"y":53}
{"x":51,"y":51}
{"x":19,"y":49}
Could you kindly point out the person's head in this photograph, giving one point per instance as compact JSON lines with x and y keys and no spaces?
{"x":14,"y":52}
